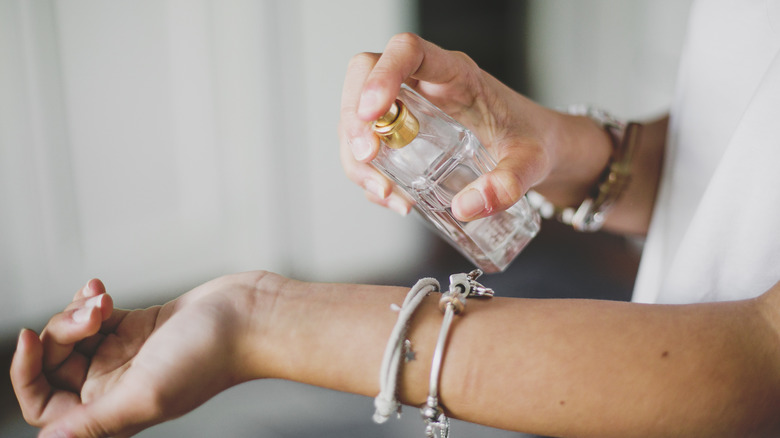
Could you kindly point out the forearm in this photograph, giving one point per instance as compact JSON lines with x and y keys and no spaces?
{"x":586,"y":368}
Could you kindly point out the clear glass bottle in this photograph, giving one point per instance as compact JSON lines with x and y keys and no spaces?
{"x":432,"y":157}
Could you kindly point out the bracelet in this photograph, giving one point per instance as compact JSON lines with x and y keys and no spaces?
{"x":591,"y":213}
{"x":453,"y":302}
{"x":386,"y":402}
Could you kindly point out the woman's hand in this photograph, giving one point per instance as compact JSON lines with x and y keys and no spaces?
{"x":529,"y":141}
{"x":97,"y":371}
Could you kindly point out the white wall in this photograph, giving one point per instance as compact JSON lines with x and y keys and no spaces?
{"x":618,"y":55}
{"x":157,"y":144}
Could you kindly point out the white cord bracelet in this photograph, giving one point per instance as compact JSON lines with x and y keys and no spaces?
{"x":452,"y":302}
{"x":387,"y":402}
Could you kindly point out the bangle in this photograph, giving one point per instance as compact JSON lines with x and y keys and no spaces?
{"x":386,"y":402}
{"x":591,"y":213}
{"x":453,"y":302}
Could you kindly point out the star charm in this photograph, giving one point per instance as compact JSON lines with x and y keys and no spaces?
{"x":409,"y":355}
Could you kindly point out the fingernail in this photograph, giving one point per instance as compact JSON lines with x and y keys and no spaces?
{"x":361,"y":148}
{"x":82,"y":315}
{"x":398,"y":206}
{"x":95,"y":301}
{"x":21,"y":333}
{"x":471,"y":203}
{"x":375,"y":188}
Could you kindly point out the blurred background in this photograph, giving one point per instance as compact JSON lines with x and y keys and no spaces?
{"x":159,"y":144}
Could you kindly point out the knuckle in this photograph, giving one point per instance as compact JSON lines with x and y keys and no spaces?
{"x":363,"y":59}
{"x":507,"y":186}
{"x":409,"y":39}
{"x":351,"y":173}
{"x":349,"y":128}
{"x":405,"y":45}
{"x":96,"y":429}
{"x":32,"y":412}
{"x":33,"y":419}
{"x":464,"y":58}
{"x":350,"y":165}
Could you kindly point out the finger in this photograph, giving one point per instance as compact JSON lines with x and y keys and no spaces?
{"x":30,"y":386}
{"x":408,"y":56}
{"x":88,"y":346}
{"x":70,"y":374}
{"x":37,"y":399}
{"x":521,"y":167}
{"x":395,"y":202}
{"x":124,"y":411}
{"x":358,"y":142}
{"x":364,"y":175}
{"x":356,"y":134}
{"x":373,"y":81}
{"x":92,"y":288}
{"x":79,"y":321}
{"x":102,"y":301}
{"x":113,"y":321}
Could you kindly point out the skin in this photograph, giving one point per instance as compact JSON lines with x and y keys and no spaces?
{"x":551,"y":367}
{"x":559,"y":155}
{"x":695,"y":370}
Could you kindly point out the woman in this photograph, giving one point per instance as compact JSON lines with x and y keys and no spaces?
{"x":709,"y":366}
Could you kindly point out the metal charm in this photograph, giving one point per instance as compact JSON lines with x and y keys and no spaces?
{"x":437,"y":425}
{"x":477,"y":289}
{"x":464,"y":286}
{"x":409,"y":354}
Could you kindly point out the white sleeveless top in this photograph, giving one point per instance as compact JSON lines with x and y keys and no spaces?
{"x":715,"y":231}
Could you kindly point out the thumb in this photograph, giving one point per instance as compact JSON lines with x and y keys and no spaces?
{"x":109,"y":416}
{"x":501,"y":188}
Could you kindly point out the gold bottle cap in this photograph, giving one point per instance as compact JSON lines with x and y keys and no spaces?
{"x":397,"y":127}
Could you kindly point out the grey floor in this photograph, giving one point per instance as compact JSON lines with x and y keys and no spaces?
{"x":279,"y":409}
{"x":557,"y":264}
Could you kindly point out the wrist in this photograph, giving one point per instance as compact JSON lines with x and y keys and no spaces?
{"x":582,"y":150}
{"x":323,"y":334}
{"x":256,"y":309}
{"x":248,"y":299}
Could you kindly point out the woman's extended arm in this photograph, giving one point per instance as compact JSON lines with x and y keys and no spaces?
{"x":553,"y":367}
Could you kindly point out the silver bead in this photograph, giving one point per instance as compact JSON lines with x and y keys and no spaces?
{"x":431,"y":413}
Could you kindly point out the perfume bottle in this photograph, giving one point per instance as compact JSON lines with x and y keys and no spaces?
{"x":433,"y":157}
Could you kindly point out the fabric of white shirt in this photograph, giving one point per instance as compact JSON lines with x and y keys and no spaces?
{"x":715,"y":232}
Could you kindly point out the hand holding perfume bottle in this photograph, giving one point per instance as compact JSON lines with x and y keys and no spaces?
{"x":558,"y":155}
{"x":432,"y":158}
